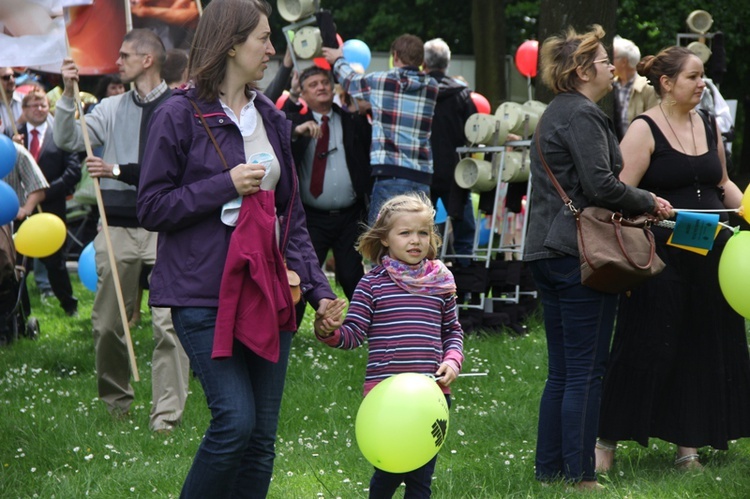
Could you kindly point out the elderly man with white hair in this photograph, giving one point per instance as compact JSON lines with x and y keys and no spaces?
{"x":633,"y":94}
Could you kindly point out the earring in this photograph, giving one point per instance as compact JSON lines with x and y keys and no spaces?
{"x":670,"y":102}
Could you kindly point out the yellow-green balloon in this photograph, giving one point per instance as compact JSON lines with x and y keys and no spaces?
{"x":734,"y":273}
{"x":40,"y":235}
{"x":402,"y":422}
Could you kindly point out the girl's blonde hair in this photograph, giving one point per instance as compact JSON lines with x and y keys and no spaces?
{"x":370,"y":243}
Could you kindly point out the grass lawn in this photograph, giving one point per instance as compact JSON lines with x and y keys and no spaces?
{"x":57,"y":440}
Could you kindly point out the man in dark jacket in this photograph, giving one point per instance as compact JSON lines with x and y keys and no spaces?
{"x":334,"y":174}
{"x":62,"y":170}
{"x":453,"y":108}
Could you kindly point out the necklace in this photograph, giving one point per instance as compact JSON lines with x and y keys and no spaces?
{"x":695,"y":148}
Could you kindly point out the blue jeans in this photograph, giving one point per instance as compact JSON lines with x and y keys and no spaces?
{"x":385,"y":188}
{"x":383,"y":484}
{"x":578,"y":321}
{"x":235,"y":458}
{"x":462,"y":231}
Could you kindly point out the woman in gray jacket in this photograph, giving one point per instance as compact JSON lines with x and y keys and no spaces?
{"x":579,"y":144}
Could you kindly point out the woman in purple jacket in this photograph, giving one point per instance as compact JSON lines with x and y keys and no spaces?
{"x":192,"y":194}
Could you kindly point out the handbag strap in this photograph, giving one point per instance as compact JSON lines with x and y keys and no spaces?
{"x":210,"y":134}
{"x":226,"y":168}
{"x":566,"y":199}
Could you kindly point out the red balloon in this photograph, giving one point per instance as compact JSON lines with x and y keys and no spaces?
{"x":481,"y":102}
{"x":322,"y":63}
{"x":526,"y":58}
{"x":283,"y":98}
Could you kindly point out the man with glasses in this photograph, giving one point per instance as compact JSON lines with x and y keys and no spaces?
{"x":62,"y":170}
{"x":8,"y":81}
{"x":120,"y":123}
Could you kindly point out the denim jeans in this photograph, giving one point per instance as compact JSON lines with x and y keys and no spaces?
{"x":235,"y":458}
{"x":385,"y":188}
{"x":462,"y":230}
{"x":578,"y":321}
{"x":383,"y":484}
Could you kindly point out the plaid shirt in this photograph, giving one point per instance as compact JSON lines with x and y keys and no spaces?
{"x":26,"y":176}
{"x":403,"y":102}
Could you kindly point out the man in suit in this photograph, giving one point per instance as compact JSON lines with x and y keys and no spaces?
{"x":334,"y":173}
{"x":63,"y":171}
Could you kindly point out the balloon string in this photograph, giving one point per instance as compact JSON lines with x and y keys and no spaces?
{"x":724,"y":210}
{"x":670,"y":224}
{"x":462,"y":375}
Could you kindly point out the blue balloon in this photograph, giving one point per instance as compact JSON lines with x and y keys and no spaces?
{"x":7,"y":155}
{"x":440,"y":214}
{"x":87,"y":267}
{"x":357,"y":52}
{"x":8,"y":203}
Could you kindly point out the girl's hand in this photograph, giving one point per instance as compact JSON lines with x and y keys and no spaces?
{"x":329,"y":318}
{"x":447,"y":373}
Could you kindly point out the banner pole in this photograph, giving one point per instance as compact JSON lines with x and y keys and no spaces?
{"x":105,"y":230}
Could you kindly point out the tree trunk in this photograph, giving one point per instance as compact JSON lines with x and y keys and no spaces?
{"x":488,"y":28}
{"x":556,"y":15}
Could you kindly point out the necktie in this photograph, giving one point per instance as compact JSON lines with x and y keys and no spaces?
{"x":34,"y":146}
{"x":320,"y":159}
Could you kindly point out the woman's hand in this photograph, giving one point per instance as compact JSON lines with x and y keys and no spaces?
{"x":247,"y":177}
{"x":329,"y":316}
{"x":663,"y":208}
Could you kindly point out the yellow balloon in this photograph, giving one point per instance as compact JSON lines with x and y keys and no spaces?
{"x":734,"y":273}
{"x":745,"y":205}
{"x":402,"y":422}
{"x":40,"y":235}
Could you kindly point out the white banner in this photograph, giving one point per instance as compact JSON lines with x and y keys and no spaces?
{"x":32,"y":33}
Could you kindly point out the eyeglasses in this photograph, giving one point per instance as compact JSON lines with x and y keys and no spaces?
{"x":125,"y":55}
{"x":8,"y":77}
{"x":606,"y":61}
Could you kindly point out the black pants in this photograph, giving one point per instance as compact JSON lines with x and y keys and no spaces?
{"x":59,"y":280}
{"x":337,"y":231}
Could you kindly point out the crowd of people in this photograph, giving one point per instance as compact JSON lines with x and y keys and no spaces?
{"x":220,"y":202}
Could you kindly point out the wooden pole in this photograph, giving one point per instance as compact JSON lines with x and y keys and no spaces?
{"x":105,"y":230}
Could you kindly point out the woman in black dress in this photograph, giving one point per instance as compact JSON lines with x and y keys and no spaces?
{"x":679,"y":368}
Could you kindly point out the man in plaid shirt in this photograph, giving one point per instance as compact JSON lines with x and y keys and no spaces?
{"x":403,"y":102}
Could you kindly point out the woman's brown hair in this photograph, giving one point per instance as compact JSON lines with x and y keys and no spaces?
{"x":223,"y":24}
{"x":668,"y":62}
{"x":561,"y":55}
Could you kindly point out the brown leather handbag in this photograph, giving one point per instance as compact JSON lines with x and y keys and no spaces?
{"x":616,"y":253}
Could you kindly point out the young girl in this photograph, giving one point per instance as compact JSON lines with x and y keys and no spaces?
{"x":406,"y":308}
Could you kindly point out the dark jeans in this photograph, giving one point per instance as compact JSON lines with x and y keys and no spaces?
{"x":462,"y":230}
{"x":383,"y":484}
{"x":578,"y":321}
{"x":235,"y":458}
